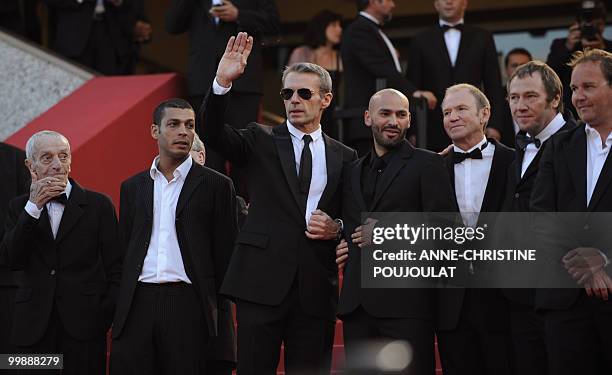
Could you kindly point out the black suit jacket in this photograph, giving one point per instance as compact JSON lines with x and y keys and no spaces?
{"x":208,"y":39}
{"x":429,"y":68}
{"x":74,"y":21}
{"x":272,"y":250}
{"x":415,"y":181}
{"x":15,"y":181}
{"x":450,"y":301}
{"x":78,"y":271}
{"x":366,"y":58}
{"x":560,"y":186}
{"x":205,"y":229}
{"x":518,"y":198}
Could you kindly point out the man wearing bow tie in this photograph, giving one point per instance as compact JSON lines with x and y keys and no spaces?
{"x":64,"y":239}
{"x":535,"y":95}
{"x":450,"y":53}
{"x":472,"y":324}
{"x":371,"y":59}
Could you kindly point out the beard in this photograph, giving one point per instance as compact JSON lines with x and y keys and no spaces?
{"x":380,"y":139}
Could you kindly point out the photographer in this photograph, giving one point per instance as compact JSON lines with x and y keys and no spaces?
{"x":585,"y":32}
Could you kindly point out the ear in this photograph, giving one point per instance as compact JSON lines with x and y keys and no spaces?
{"x":326,"y":100}
{"x":30,"y":166}
{"x":555,"y":102}
{"x":485,"y":114}
{"x":367,"y":119}
{"x":155,"y":131}
{"x":409,"y":120}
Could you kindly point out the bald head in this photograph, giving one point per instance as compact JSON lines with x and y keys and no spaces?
{"x":385,"y":95}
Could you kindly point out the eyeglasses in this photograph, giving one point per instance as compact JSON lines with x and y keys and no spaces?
{"x":303,"y":93}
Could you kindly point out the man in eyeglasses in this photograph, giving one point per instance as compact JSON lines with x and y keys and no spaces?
{"x":283,"y":276}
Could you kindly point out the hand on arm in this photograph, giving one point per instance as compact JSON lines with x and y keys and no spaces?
{"x":322,"y":227}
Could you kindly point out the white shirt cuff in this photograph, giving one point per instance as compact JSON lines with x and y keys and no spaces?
{"x":220,"y":90}
{"x":32,"y":210}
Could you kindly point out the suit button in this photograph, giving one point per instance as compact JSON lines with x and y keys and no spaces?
{"x":147,"y":244}
{"x":138,"y":267}
{"x":52,"y":273}
{"x":516,"y":195}
{"x":586,"y":226}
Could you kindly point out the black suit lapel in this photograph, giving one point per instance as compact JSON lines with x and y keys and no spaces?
{"x":450,"y":166}
{"x":495,"y":184}
{"x":356,"y":185}
{"x":192,"y":181}
{"x":72,"y":211}
{"x":333,"y":162}
{"x":602,"y":183}
{"x":440,"y":45}
{"x":387,"y":177}
{"x":575,"y":154}
{"x":282,"y":138}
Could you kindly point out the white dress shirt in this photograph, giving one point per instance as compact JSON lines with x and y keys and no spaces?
{"x":319,"y":165}
{"x":471,"y":178}
{"x":531,"y":150}
{"x":163,"y":262}
{"x":596,"y":157}
{"x":387,"y":41}
{"x":452,"y":38}
{"x":55,"y":210}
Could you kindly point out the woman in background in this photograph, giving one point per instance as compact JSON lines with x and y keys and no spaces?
{"x":321,"y":46}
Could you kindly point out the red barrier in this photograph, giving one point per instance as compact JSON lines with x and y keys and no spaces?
{"x":107,"y":121}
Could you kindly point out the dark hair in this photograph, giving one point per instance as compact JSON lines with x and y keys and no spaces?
{"x":517,"y":51}
{"x":314,"y":35}
{"x":550,"y":80}
{"x":158,"y":113}
{"x":362,"y":4}
{"x":595,"y":55}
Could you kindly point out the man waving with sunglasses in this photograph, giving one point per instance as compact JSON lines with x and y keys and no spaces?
{"x":283,"y":274}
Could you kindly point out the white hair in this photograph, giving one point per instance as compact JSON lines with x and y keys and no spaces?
{"x":32,"y":144}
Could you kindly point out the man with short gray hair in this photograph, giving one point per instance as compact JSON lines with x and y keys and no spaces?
{"x":282,"y":274}
{"x":64,"y":239}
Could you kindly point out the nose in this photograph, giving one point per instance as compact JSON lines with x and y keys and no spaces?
{"x":56,"y":164}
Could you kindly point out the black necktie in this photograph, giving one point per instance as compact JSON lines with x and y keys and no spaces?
{"x":523,"y":140}
{"x":305,"y":166}
{"x":458,"y":26}
{"x":62,"y":198}
{"x":458,"y":157}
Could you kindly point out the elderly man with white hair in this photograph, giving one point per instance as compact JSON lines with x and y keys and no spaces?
{"x":65,"y":240}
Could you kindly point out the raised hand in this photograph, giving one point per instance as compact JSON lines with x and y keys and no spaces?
{"x":234,"y":59}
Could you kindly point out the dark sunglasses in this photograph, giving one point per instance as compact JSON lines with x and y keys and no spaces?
{"x":303,"y":93}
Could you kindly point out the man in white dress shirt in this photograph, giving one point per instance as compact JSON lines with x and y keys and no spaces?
{"x":575,"y":174}
{"x":64,"y":239}
{"x":472,"y":325}
{"x":177,"y":227}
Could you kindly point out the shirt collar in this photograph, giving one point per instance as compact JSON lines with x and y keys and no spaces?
{"x":479,"y":145}
{"x":369,"y":16}
{"x":68,"y":189}
{"x":553,"y":126}
{"x":592,"y":133}
{"x":181,"y":171}
{"x":442,"y":23}
{"x":300,"y":134}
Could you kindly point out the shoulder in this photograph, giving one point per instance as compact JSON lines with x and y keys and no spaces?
{"x":211,"y":177}
{"x":136,"y":179}
{"x":425,"y":34}
{"x":98,"y":198}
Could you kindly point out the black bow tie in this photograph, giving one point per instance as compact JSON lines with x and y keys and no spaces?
{"x":62,"y":198}
{"x":523,"y":140}
{"x":459,"y":157}
{"x":446,"y":27}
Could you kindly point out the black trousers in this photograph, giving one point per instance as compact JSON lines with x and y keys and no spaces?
{"x":262,"y":329}
{"x":80,"y":357}
{"x":165,"y":333}
{"x":243,"y":109}
{"x":361,"y":329}
{"x":528,"y":340}
{"x":579,"y":340}
{"x":474,"y":347}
